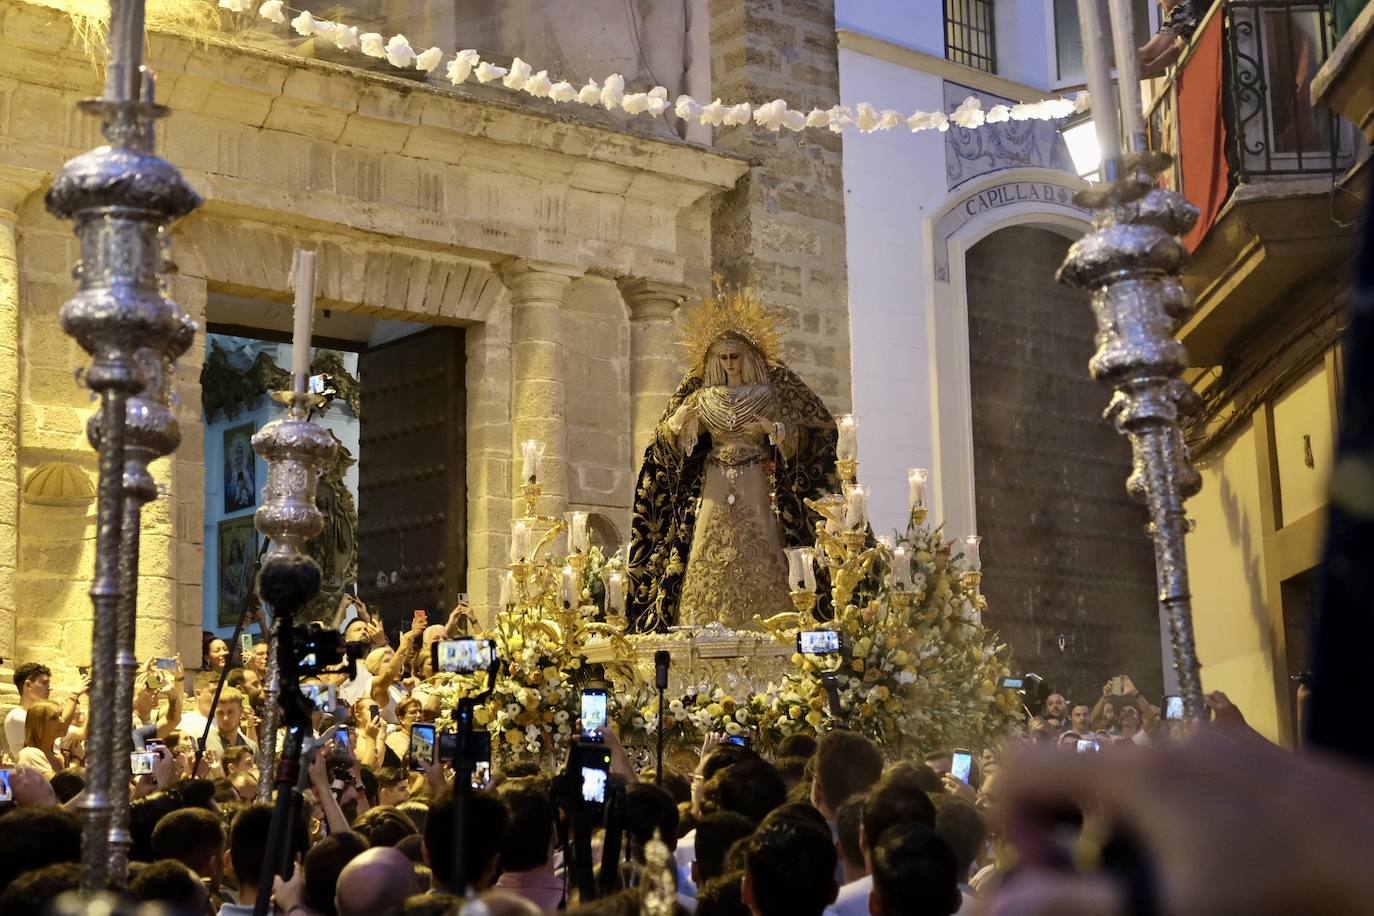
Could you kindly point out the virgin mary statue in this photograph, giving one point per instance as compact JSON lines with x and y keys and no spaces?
{"x":720,"y":496}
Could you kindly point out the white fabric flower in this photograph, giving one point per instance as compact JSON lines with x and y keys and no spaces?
{"x":969,"y":114}
{"x":687,"y":107}
{"x":658,"y":101}
{"x":563,"y":91}
{"x":1082,"y":102}
{"x":371,"y":44}
{"x":737,"y":114}
{"x":841,"y":116}
{"x":612,"y":91}
{"x":325,"y":29}
{"x":1059,"y":108}
{"x":1022,"y":111}
{"x":518,"y":73}
{"x":428,"y":61}
{"x":712,"y":114}
{"x":590,"y":94}
{"x":867,"y":118}
{"x":635,"y":103}
{"x":460,"y":68}
{"x":927,"y":120}
{"x":818,"y":117}
{"x":771,"y":114}
{"x":486,"y":72}
{"x":346,"y":37}
{"x":889,"y":119}
{"x":794,"y":120}
{"x":539,"y":85}
{"x":304,"y":24}
{"x":399,"y":53}
{"x":998,"y":114}
{"x":236,"y":6}
{"x":271,"y":11}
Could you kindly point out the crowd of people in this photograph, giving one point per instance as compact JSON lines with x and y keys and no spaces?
{"x":827,"y":825}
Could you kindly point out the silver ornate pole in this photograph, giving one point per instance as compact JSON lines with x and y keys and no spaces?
{"x":1130,"y":263}
{"x":120,"y":197}
{"x":295,"y":450}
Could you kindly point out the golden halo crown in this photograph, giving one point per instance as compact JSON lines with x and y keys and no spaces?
{"x":730,"y":312}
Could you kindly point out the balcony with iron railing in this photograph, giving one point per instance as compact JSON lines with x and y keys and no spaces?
{"x":1258,"y":158}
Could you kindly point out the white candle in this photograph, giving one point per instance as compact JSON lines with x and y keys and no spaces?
{"x":615,"y":594}
{"x":916,"y":488}
{"x":508,"y":589}
{"x":847,"y":448}
{"x":1100,"y":87}
{"x":901,"y":565}
{"x":519,"y":540}
{"x":577,"y":533}
{"x":1127,"y":74}
{"x":855,"y":507}
{"x":303,"y":272}
{"x":971,"y":553}
{"x":571,"y":593}
{"x":808,"y":568}
{"x":531,"y":450}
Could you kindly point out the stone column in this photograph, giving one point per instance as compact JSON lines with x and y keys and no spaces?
{"x":781,"y":230}
{"x":538,"y":405}
{"x":655,"y":363}
{"x":15,"y":186}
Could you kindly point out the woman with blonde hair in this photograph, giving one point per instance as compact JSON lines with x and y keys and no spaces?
{"x":42,"y":730}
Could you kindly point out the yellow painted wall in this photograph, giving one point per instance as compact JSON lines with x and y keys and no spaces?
{"x":1230,"y":615}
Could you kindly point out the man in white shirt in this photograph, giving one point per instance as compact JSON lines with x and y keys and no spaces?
{"x":892,"y":801}
{"x":193,"y":722}
{"x":34,"y":681}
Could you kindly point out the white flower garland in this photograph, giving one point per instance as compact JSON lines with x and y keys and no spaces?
{"x":611,"y":95}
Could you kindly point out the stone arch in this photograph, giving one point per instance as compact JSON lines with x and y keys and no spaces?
{"x":383,"y":276}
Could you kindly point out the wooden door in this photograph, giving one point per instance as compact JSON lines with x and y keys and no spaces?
{"x":412,"y":481}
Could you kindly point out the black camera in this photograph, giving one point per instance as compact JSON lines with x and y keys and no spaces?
{"x":321,"y":649}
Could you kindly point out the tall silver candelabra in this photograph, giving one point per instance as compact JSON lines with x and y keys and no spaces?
{"x":121,"y":198}
{"x":1130,"y":263}
{"x":295,"y":450}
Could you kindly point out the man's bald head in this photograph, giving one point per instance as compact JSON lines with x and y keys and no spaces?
{"x":375,"y":883}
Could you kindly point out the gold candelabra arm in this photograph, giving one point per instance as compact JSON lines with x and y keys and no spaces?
{"x":781,"y":626}
{"x":530,"y":490}
{"x":556,"y":527}
{"x":804,"y":600}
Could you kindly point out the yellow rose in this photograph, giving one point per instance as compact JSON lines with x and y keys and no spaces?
{"x":714,"y":710}
{"x":900,"y":658}
{"x":814,"y":717}
{"x":857,"y":664}
{"x":481,"y":715}
{"x":794,"y":712}
{"x":883,"y":693}
{"x":893,"y":705}
{"x":514,"y":736}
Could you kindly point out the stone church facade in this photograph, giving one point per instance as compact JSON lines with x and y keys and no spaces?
{"x":560,"y":246}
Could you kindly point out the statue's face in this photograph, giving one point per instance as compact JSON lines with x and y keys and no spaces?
{"x":731,"y":361}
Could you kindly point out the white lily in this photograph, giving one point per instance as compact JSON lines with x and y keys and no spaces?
{"x":518,"y":73}
{"x":271,"y":11}
{"x":486,"y":72}
{"x":371,"y":44}
{"x":460,"y":68}
{"x":399,"y":53}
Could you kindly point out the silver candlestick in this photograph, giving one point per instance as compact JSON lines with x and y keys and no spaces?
{"x":295,"y":450}
{"x":1130,"y":263}
{"x":121,"y":198}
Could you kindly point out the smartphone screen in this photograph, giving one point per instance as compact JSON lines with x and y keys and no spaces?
{"x":462,"y":656}
{"x":481,"y":774}
{"x":141,"y":762}
{"x":1088,"y":745}
{"x":166,"y":664}
{"x":741,"y":740}
{"x":594,"y":785}
{"x":593,"y":713}
{"x":1173,"y":707}
{"x":421,"y":746}
{"x":1013,"y":683}
{"x":246,"y":645}
{"x":342,"y":740}
{"x":961,"y":766}
{"x":375,"y":710}
{"x":818,"y":642}
{"x":6,"y":793}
